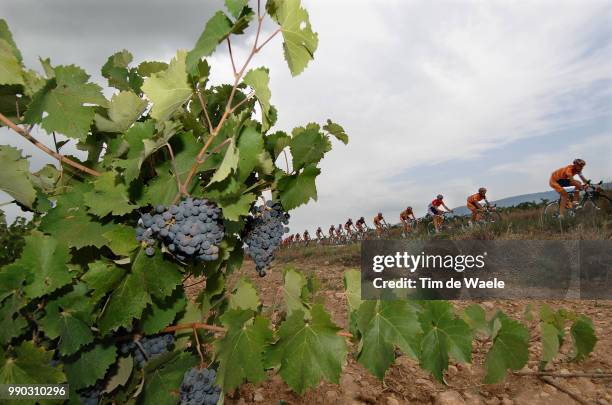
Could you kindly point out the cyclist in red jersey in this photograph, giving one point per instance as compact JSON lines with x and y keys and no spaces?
{"x":434,"y":209}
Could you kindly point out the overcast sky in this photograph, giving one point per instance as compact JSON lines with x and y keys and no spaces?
{"x":437,"y":96}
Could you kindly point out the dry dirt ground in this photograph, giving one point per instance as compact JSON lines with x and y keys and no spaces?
{"x":406,"y":383}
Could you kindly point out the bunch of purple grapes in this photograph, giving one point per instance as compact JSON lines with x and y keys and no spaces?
{"x":198,"y":387}
{"x":264,"y":233}
{"x":191,"y":229}
{"x":152,"y":345}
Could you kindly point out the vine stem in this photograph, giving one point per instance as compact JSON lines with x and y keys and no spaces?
{"x":567,"y":391}
{"x":567,"y":375}
{"x":221,"y":329}
{"x":26,"y":134}
{"x":228,"y":107}
{"x":199,"y":348}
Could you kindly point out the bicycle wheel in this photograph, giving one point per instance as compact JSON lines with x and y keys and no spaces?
{"x":493,"y":216}
{"x":604,"y":204}
{"x":431,"y":228}
{"x":551,"y":211}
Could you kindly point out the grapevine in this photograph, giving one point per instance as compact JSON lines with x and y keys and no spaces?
{"x":94,"y":295}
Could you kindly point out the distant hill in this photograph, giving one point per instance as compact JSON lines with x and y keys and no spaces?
{"x":515,"y":200}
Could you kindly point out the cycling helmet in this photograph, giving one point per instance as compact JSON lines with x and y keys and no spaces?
{"x":440,"y":196}
{"x":409,"y":208}
{"x":482,"y":190}
{"x":579,"y":162}
{"x":350,"y":220}
{"x":380,"y":214}
{"x":362,"y":218}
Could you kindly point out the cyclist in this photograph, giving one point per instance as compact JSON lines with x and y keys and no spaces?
{"x":306,"y":236}
{"x":339,"y":232}
{"x":332,"y":232}
{"x":562,"y":179}
{"x":348,"y":227}
{"x":473,"y":203}
{"x":379,"y":221}
{"x":434,"y":209}
{"x":405,"y":217}
{"x":297,"y":237}
{"x":361,"y":225}
{"x":319,"y":234}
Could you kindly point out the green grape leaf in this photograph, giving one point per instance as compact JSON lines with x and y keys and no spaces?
{"x":583,"y":336}
{"x":298,"y":189}
{"x":46,"y":178}
{"x":216,"y":30}
{"x":229,"y":163}
{"x":9,"y":102}
{"x":121,"y":239}
{"x":65,"y":104}
{"x":240,"y":352}
{"x":102,"y":277}
{"x":15,"y":176}
{"x":118,"y":73}
{"x":5,"y":34}
{"x":69,"y":319}
{"x":443,"y":334}
{"x":294,"y":282}
{"x":90,"y":366}
{"x":125,"y":108}
{"x":108,"y":196}
{"x":150,"y":276}
{"x":12,"y":323}
{"x":134,"y":143}
{"x":276,"y":142}
{"x":510,"y":350}
{"x":11,"y":71}
{"x":147,"y":68}
{"x":259,"y":80}
{"x":161,"y":384}
{"x":308,"y":146}
{"x":550,"y":342}
{"x":300,"y":42}
{"x":475,"y":316}
{"x":168,"y":90}
{"x":44,"y":258}
{"x":352,"y":289}
{"x":235,"y":6}
{"x":233,"y":211}
{"x":336,"y":130}
{"x":31,"y":365}
{"x":309,"y":351}
{"x":385,"y":325}
{"x":127,"y":302}
{"x":250,"y":145}
{"x":244,"y":296}
{"x":120,"y":374}
{"x":162,"y":312}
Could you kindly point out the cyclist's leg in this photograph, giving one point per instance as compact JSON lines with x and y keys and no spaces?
{"x":564,"y":197}
{"x":475,"y":216}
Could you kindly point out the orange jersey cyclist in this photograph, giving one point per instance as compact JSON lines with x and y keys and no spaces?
{"x":379,"y":221}
{"x":562,"y":181}
{"x":473,"y":203}
{"x":405,"y":217}
{"x":434,"y":209}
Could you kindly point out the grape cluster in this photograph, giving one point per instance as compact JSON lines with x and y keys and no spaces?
{"x":264,"y":233}
{"x":152,"y":345}
{"x":91,"y":396}
{"x":191,"y":229}
{"x":198,"y":387}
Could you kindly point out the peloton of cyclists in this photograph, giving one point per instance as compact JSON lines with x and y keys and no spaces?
{"x":473,"y":203}
{"x":438,"y":214}
{"x":562,"y":181}
{"x":405,"y":217}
